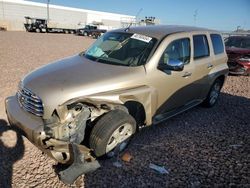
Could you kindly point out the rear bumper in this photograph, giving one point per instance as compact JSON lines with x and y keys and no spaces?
{"x":32,"y":127}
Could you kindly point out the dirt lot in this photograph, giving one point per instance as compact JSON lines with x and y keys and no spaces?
{"x":201,"y":147}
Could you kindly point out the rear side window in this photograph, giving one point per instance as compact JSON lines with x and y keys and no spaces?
{"x":217,"y":43}
{"x":200,"y":46}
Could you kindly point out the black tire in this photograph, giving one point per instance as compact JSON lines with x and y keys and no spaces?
{"x":213,"y":94}
{"x":85,"y":34}
{"x":38,"y":30}
{"x":104,"y":129}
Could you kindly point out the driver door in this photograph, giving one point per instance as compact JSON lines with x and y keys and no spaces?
{"x":177,"y":86}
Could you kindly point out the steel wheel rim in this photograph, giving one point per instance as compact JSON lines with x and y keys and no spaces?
{"x":120,"y":135}
{"x":214,"y":93}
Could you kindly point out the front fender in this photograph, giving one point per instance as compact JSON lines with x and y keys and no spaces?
{"x":145,"y":95}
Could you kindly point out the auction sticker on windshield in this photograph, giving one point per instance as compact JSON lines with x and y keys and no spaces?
{"x":143,"y":38}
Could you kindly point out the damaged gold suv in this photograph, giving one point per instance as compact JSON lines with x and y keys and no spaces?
{"x":92,"y":103}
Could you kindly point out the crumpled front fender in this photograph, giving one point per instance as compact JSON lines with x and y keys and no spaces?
{"x":145,"y":95}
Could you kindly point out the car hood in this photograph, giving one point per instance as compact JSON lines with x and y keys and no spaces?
{"x":241,"y":51}
{"x":77,"y":76}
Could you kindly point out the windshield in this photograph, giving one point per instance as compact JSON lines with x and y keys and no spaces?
{"x":238,"y":42}
{"x":121,"y":49}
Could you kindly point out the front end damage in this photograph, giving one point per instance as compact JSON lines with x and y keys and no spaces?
{"x":60,"y":139}
{"x":62,"y":135}
{"x":238,"y":62}
{"x":71,"y":129}
{"x":239,"y":68}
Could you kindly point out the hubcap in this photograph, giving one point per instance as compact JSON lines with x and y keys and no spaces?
{"x":215,"y":93}
{"x":119,"y":136}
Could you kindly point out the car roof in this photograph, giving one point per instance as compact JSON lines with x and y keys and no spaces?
{"x":160,"y":31}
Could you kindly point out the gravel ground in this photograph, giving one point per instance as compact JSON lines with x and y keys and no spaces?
{"x":200,"y":148}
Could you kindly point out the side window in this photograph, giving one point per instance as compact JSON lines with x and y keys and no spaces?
{"x":246,"y":43}
{"x":217,"y":43}
{"x":177,"y":50}
{"x":200,"y":46}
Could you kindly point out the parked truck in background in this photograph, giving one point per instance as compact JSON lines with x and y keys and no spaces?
{"x":91,"y":30}
{"x":42,"y":25}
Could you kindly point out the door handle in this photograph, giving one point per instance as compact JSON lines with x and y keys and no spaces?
{"x":209,"y":66}
{"x":186,"y":74}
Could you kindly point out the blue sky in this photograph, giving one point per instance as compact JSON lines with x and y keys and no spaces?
{"x":223,"y":15}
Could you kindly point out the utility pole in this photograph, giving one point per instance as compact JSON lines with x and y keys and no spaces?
{"x":48,"y":1}
{"x":3,"y":9}
{"x":195,"y":16}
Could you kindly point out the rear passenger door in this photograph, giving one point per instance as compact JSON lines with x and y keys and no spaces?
{"x":203,"y":63}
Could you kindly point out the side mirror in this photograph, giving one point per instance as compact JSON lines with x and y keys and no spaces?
{"x":173,"y":64}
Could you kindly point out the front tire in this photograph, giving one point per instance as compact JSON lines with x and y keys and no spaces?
{"x":213,"y":94}
{"x":111,"y":131}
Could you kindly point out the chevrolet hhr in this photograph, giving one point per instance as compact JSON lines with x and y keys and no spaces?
{"x":126,"y":80}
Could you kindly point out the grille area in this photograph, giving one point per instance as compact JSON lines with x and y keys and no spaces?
{"x":30,"y":102}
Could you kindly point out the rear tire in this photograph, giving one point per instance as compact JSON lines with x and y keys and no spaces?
{"x":111,"y":131}
{"x":213,"y":94}
{"x":85,"y":34}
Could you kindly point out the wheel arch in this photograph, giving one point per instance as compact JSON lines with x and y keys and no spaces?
{"x":222,"y":78}
{"x":137,"y":111}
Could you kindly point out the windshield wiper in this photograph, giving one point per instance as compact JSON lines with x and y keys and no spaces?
{"x":113,"y":49}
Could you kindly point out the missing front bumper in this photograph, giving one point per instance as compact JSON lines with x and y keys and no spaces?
{"x":63,"y":152}
{"x":78,"y":167}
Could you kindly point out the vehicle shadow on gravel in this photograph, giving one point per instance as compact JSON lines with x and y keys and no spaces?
{"x":9,"y":152}
{"x":200,"y":147}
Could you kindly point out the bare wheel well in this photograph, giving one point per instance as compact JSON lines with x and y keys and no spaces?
{"x":137,"y":111}
{"x":222,"y":78}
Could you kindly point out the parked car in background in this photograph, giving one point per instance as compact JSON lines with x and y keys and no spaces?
{"x":238,"y":51}
{"x":91,"y":30}
{"x":128,"y":79}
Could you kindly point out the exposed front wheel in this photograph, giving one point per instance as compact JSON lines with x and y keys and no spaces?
{"x":112,"y":132}
{"x":213,"y":94}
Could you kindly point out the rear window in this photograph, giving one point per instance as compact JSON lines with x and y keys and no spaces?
{"x":217,"y":43}
{"x":200,"y":46}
